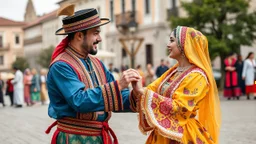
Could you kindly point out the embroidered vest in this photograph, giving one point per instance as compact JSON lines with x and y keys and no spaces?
{"x":72,"y":60}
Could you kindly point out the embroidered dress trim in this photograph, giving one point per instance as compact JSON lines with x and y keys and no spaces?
{"x":147,"y":103}
{"x":133,"y":102}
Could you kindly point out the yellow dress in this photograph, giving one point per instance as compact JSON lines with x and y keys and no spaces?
{"x":168,"y":109}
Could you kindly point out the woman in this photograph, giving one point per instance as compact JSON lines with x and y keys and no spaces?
{"x":168,"y":106}
{"x":27,"y":82}
{"x":44,"y":93}
{"x":150,"y":74}
{"x":9,"y":87}
{"x":239,"y":70}
{"x":231,"y":87}
{"x":35,"y":87}
{"x":248,"y":75}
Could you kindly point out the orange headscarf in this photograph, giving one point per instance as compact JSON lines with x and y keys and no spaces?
{"x":195,"y":47}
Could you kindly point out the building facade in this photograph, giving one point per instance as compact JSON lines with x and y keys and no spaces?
{"x":11,"y":43}
{"x":151,"y":18}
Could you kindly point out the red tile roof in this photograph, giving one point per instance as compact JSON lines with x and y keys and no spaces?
{"x":43,"y":18}
{"x":8,"y":22}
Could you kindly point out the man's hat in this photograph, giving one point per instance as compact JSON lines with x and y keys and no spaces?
{"x":80,"y":20}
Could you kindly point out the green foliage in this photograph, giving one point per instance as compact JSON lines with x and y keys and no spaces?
{"x":21,"y":63}
{"x":44,"y":58}
{"x":226,"y":23}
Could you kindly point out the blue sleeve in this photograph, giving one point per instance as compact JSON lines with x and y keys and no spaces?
{"x":72,"y":90}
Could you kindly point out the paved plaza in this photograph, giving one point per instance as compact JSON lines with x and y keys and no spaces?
{"x":27,"y":125}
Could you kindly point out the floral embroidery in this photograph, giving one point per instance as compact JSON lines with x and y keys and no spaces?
{"x":194,"y":92}
{"x":165,"y":107}
{"x":193,"y":34}
{"x":201,"y":131}
{"x":184,"y":109}
{"x":165,"y":123}
{"x":199,"y":141}
{"x":155,"y":95}
{"x":192,"y":115}
{"x":180,"y":129}
{"x":153,"y":105}
{"x":186,"y":91}
{"x":191,"y":103}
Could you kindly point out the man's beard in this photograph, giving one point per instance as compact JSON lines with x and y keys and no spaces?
{"x":89,"y":49}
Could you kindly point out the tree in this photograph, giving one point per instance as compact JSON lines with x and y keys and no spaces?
{"x":44,"y":58}
{"x":226,"y":23}
{"x":21,"y":63}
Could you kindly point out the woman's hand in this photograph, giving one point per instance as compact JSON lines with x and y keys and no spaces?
{"x":137,"y":87}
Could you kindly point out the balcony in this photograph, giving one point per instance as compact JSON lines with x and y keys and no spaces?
{"x":172,"y":12}
{"x":126,"y":20}
{"x":5,"y":47}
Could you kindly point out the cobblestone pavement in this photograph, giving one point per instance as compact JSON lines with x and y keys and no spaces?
{"x":27,"y":125}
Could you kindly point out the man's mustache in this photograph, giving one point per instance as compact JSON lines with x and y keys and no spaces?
{"x":96,"y":42}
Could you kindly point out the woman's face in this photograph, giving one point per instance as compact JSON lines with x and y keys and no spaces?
{"x":174,"y":51}
{"x":251,"y":56}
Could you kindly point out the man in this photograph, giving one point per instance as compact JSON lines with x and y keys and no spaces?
{"x":82,"y":92}
{"x":18,"y":88}
{"x":161,"y":69}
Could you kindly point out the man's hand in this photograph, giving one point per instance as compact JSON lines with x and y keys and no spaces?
{"x":127,"y":77}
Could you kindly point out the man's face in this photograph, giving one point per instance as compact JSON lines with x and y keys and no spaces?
{"x":91,"y":39}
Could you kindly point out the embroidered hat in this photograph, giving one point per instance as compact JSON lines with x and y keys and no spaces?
{"x":79,"y":20}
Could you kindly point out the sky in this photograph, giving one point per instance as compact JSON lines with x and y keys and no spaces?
{"x":15,"y":9}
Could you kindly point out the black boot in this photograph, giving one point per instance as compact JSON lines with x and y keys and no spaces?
{"x":254,"y":97}
{"x":229,"y":98}
{"x":248,"y":97}
{"x":237,"y":97}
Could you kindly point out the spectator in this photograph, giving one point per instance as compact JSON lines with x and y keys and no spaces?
{"x":161,"y":69}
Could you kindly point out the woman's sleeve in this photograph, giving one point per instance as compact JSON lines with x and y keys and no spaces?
{"x":168,"y":114}
{"x":244,"y":69}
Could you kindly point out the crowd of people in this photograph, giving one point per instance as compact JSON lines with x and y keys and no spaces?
{"x":28,"y":87}
{"x":148,"y":75}
{"x":239,"y":76}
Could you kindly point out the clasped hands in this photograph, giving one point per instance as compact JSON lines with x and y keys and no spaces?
{"x":131,"y":76}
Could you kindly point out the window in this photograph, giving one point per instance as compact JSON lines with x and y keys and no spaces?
{"x":173,"y":2}
{"x":147,"y":6}
{"x":123,"y":53}
{"x":112,"y":10}
{"x":123,"y":6}
{"x":1,"y":60}
{"x":149,"y":57}
{"x":133,"y":5}
{"x":17,"y":39}
{"x":1,"y":41}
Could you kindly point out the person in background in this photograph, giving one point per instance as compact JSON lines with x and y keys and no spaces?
{"x":9,"y":87}
{"x":150,"y":74}
{"x":161,"y":69}
{"x":239,"y":70}
{"x":167,"y":63}
{"x":44,"y":93}
{"x":1,"y":91}
{"x":35,"y":87}
{"x":110,"y":67}
{"x":27,"y":82}
{"x":231,"y":87}
{"x":249,"y":76}
{"x":139,"y":69}
{"x":18,"y":87}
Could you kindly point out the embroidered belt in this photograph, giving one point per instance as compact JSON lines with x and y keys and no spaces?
{"x":83,"y":127}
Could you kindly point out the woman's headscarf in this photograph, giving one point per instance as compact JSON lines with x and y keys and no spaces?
{"x":195,"y":47}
